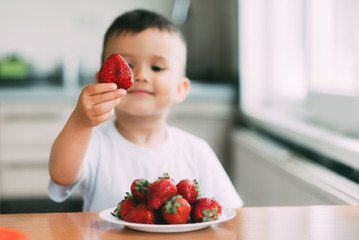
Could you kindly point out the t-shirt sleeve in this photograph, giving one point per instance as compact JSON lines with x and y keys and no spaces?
{"x":215,"y":182}
{"x":59,"y":193}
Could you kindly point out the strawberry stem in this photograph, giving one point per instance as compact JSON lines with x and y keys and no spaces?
{"x":171,"y":205}
{"x":142,"y":185}
{"x":210,"y":214}
{"x":197,"y":188}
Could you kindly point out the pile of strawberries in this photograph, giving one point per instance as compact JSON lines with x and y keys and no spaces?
{"x":165,"y":202}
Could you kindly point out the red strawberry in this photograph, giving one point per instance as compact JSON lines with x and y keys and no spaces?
{"x":177,"y":210}
{"x":125,"y":206}
{"x":141,"y":214}
{"x":160,"y":191}
{"x":205,"y":210}
{"x":189,"y":189}
{"x":115,"y":69}
{"x":139,"y":189}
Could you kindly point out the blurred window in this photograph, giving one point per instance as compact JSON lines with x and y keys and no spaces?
{"x":299,"y":66}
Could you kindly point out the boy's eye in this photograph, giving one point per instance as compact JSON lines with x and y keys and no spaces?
{"x":156,"y":68}
{"x":130,"y":65}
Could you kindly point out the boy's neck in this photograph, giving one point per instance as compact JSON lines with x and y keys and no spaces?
{"x":143,"y":131}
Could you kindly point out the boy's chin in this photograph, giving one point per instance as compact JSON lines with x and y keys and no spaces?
{"x":141,"y":113}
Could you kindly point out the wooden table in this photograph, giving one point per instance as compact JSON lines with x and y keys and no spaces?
{"x":314,"y":222}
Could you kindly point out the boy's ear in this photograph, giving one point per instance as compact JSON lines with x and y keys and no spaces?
{"x":182,"y":90}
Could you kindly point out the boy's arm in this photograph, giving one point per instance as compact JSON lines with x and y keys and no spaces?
{"x":95,"y":106}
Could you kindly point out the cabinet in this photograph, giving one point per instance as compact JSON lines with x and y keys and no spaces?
{"x":27,"y":130}
{"x":268,"y":174}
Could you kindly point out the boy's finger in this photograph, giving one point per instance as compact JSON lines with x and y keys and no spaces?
{"x":96,"y":77}
{"x":107,"y":96}
{"x":98,"y":88}
{"x":105,"y":107}
{"x":104,"y":117}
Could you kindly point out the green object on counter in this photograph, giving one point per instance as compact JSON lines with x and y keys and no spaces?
{"x":13,"y":69}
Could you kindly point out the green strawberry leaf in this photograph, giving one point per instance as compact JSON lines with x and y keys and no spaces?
{"x":210,"y":215}
{"x":197,"y":188}
{"x":142,"y":185}
{"x":128,"y":195}
{"x":171,"y":205}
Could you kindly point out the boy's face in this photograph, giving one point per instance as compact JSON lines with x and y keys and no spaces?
{"x":158,"y":61}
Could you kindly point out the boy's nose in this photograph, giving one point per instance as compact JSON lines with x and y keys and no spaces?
{"x":140,"y":74}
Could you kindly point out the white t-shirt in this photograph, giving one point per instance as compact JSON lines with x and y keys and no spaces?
{"x":112,"y":163}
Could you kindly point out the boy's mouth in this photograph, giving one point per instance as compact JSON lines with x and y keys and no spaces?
{"x":139,"y":92}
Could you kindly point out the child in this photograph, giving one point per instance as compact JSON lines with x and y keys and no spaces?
{"x":102,"y":161}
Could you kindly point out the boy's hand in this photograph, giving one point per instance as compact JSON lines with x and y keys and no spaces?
{"x":96,"y":103}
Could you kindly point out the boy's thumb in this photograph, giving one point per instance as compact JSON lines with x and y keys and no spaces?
{"x":96,"y":77}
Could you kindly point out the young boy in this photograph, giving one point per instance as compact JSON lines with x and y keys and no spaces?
{"x":102,"y":161}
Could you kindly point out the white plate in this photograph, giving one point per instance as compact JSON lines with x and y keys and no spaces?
{"x":106,"y":215}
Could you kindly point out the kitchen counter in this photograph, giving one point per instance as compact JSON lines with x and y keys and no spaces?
{"x":198,"y":91}
{"x":35,"y":94}
{"x":310,"y":222}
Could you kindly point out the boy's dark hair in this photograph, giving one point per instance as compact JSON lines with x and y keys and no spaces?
{"x":138,"y":20}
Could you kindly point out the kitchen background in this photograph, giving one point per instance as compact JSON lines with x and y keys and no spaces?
{"x":250,"y":63}
{"x":49,"y":50}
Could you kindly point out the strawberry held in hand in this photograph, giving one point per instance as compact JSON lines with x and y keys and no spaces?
{"x":139,"y":189}
{"x":189,"y":189}
{"x":177,"y":210}
{"x":116,"y":70}
{"x":160,"y":191}
{"x":205,"y":210}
